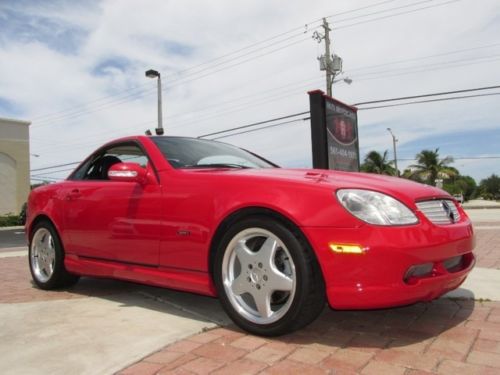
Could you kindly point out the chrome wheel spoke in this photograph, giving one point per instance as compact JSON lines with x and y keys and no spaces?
{"x":243,"y":253}
{"x":266,"y":253}
{"x":263,"y":303}
{"x":279,"y":281}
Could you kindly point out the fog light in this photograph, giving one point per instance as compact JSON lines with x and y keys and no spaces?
{"x":347,"y":249}
{"x":419,"y":270}
{"x":453,"y":264}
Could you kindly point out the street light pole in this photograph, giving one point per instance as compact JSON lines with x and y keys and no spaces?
{"x":394,"y":140}
{"x":155,"y":74}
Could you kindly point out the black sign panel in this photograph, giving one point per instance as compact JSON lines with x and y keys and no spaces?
{"x":334,"y":133}
{"x":342,"y":136}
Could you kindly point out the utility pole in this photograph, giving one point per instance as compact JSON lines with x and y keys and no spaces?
{"x":331,"y":64}
{"x":394,"y":140}
{"x":328,"y":61}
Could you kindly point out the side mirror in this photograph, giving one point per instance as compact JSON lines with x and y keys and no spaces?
{"x":127,"y":172}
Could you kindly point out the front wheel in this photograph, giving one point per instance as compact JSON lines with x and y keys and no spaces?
{"x":46,"y":258}
{"x":267,"y":278}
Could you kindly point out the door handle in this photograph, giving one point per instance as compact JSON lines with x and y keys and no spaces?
{"x":75,"y":193}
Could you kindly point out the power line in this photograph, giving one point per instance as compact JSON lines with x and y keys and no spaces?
{"x":55,"y":166}
{"x":394,"y":15}
{"x":435,"y":66}
{"x":253,"y":124}
{"x":126,"y":99}
{"x":355,"y":76}
{"x":262,"y":128}
{"x":382,"y":11}
{"x":208,"y":62}
{"x":245,"y":106}
{"x":453,"y":52}
{"x":460,"y":158}
{"x":182,"y":71}
{"x":247,"y":126}
{"x":421,"y":69}
{"x":430,"y":101}
{"x":442,"y":66}
{"x":237,"y":108}
{"x":427,"y":95}
{"x":56,"y":171}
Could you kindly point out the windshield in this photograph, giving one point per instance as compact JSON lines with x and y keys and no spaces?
{"x":201,"y":153}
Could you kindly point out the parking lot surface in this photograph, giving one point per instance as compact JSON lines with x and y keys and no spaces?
{"x":106,"y":327}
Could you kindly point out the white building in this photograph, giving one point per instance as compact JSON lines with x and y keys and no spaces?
{"x":14,"y":165}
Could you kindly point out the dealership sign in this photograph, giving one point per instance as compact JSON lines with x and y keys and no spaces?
{"x":334,"y":133}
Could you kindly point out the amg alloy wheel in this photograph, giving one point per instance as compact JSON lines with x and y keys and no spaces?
{"x":268,"y":280}
{"x":46,"y":258}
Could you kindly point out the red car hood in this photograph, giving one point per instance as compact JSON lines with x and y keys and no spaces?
{"x":398,"y":187}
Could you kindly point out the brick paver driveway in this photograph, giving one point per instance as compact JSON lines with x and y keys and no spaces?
{"x":445,"y":337}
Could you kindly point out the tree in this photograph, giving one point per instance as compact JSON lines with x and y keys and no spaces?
{"x":429,"y":167}
{"x":375,"y":162}
{"x":465,"y":185}
{"x":490,"y":187}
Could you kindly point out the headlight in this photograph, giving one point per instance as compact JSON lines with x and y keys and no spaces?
{"x":375,"y":208}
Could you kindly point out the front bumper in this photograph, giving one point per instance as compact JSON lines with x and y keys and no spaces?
{"x":376,"y":278}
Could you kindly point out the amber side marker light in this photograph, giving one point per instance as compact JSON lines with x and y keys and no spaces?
{"x":347,"y":249}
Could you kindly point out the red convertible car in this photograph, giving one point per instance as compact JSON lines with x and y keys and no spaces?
{"x":273,"y":244}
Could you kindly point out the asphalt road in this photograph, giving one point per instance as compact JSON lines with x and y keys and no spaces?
{"x":12,"y":238}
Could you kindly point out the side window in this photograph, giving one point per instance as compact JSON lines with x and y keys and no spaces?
{"x":97,"y":167}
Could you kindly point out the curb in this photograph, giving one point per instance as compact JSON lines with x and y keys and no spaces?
{"x":480,"y":284}
{"x":481,"y":207}
{"x":12,"y":228}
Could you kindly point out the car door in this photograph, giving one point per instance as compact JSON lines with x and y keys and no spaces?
{"x":113,"y":220}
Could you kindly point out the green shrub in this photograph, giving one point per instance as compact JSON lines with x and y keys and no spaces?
{"x":9,"y":220}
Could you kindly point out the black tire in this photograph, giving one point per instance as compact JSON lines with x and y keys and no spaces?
{"x":303,"y":305}
{"x":59,"y":277}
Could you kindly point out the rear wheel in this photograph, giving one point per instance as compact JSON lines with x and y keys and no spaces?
{"x":46,"y":258}
{"x":268,"y":280}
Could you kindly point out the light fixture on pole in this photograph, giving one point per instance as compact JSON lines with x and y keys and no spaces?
{"x":394,"y":140}
{"x":346,"y":80}
{"x":155,"y":74}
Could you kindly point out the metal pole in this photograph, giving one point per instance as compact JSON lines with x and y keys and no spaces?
{"x":160,"y":116}
{"x":329,"y":77}
{"x":394,"y":140}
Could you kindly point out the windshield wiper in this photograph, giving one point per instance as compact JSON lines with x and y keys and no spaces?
{"x":217,"y":165}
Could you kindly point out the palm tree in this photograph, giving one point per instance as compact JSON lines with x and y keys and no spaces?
{"x":429,"y":167}
{"x":376,"y":163}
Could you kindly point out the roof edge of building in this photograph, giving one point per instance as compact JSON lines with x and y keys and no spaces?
{"x":11,"y":120}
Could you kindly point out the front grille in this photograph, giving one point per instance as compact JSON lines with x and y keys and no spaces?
{"x":440,"y":211}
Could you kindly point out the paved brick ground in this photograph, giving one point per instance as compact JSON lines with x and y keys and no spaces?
{"x":443,"y":337}
{"x":17,"y":287}
{"x":487,"y":245}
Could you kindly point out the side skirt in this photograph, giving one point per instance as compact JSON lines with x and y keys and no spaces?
{"x":185,"y":280}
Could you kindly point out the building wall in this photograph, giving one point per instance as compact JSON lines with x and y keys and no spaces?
{"x":14,"y":165}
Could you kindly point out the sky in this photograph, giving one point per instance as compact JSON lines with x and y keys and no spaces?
{"x":76,"y":71}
